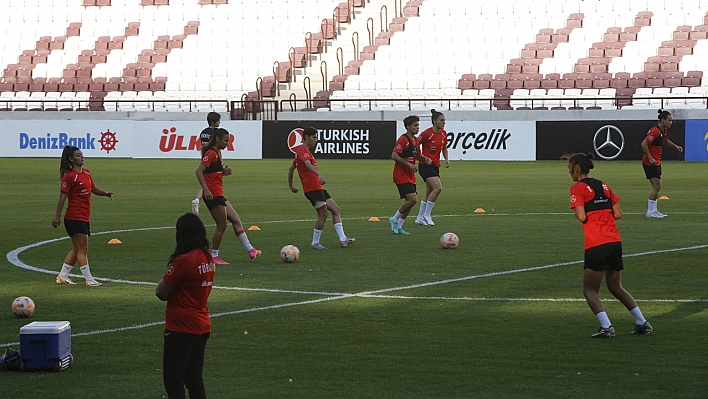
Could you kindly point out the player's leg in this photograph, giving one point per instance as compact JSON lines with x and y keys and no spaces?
{"x":80,"y":242}
{"x":321,"y":208}
{"x":614,"y":284}
{"x":69,"y":262}
{"x":410,"y":200}
{"x":591,"y":289}
{"x":175,"y":357}
{"x":218,"y":213}
{"x":433,"y":188}
{"x":337,"y":221}
{"x":235,"y":220}
{"x":193,"y":376}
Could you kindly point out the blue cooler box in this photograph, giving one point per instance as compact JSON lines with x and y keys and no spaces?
{"x":45,"y":345}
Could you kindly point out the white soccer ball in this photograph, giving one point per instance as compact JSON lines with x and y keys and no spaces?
{"x":290,"y":254}
{"x":449,"y":240}
{"x":23,"y":307}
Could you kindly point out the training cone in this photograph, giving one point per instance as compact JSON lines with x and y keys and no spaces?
{"x":114,"y":241}
{"x":252,"y":228}
{"x":479,"y":210}
{"x":374,"y":219}
{"x":663,"y":197}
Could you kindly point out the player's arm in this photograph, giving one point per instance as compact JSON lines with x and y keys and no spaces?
{"x":313,"y":169}
{"x":447,"y":161}
{"x":291,"y":172}
{"x":162,"y":290}
{"x":617,"y":211}
{"x":678,"y":147}
{"x":580,"y":213}
{"x":397,"y":157}
{"x":60,"y":206}
{"x":645,"y":148}
{"x":202,"y":182}
{"x":101,"y":192}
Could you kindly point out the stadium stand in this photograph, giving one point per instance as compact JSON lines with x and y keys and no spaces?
{"x":197,"y":55}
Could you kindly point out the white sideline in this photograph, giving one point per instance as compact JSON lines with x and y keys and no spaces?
{"x":13,"y":258}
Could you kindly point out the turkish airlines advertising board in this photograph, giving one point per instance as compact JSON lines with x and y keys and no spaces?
{"x":487,"y":140}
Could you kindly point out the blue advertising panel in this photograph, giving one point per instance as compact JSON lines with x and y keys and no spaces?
{"x":697,"y":140}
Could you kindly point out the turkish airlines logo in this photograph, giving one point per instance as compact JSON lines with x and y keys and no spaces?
{"x":608,"y":142}
{"x":295,"y":138}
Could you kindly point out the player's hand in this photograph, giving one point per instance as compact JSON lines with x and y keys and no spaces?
{"x":228,"y":171}
{"x":447,"y":163}
{"x":412,"y":166}
{"x":56,"y":222}
{"x":428,"y":161}
{"x":110,"y":194}
{"x":208,"y":195}
{"x":652,"y":161}
{"x":294,"y":189}
{"x":322,"y":180}
{"x":679,"y":148}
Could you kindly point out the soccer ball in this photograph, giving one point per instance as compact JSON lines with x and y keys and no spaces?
{"x":290,"y":254}
{"x":23,"y":307}
{"x":449,"y":240}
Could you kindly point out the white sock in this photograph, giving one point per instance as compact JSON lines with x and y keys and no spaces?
{"x":421,"y":212}
{"x":604,"y":320}
{"x":396,"y":216}
{"x":241,"y":235}
{"x":340,"y":231}
{"x":651,"y":208}
{"x":429,"y":208}
{"x":400,"y":223}
{"x":65,"y":270}
{"x":638,"y":317}
{"x":214,"y":253}
{"x":86,"y":272}
{"x":316,"y":236}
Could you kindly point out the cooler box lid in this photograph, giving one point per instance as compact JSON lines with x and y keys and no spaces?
{"x":45,"y":327}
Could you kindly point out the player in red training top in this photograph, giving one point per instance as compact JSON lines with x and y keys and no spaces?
{"x":213,"y":119}
{"x":77,"y":185}
{"x":405,"y":153}
{"x":210,"y":173}
{"x":312,"y":181}
{"x":186,"y":287}
{"x":651,"y":161}
{"x":597,"y":208}
{"x":433,"y":141}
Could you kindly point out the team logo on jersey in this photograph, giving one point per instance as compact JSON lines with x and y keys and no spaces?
{"x":295,"y":138}
{"x":608,"y":142}
{"x":170,"y":270}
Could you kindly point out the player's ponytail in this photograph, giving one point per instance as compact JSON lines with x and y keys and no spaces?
{"x":584,"y":161}
{"x":435,"y":115}
{"x":66,"y":164}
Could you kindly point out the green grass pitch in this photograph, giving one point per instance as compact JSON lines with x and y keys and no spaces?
{"x":501,"y":316}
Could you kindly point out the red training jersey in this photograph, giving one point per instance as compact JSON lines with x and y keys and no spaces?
{"x":214,"y":172}
{"x":309,"y":180}
{"x":656,"y":139}
{"x":432,"y":143}
{"x":600,"y":226}
{"x":78,"y":185}
{"x":406,"y":147}
{"x":191,"y":276}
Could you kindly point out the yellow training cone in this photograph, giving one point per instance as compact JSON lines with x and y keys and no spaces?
{"x":479,"y":210}
{"x":374,"y":219}
{"x":664,"y":197}
{"x":252,"y":228}
{"x":114,"y":241}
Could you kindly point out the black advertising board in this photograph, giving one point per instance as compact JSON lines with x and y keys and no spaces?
{"x":609,"y":140}
{"x":336,"y":139}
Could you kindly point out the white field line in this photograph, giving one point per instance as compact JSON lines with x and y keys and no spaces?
{"x":13,"y":258}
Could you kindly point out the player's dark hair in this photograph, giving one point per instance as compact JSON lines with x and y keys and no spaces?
{"x":409,"y":120}
{"x":217,"y":133}
{"x":191,"y":235}
{"x":213,"y":117}
{"x":309,"y":131}
{"x":584,"y":161}
{"x":663,"y":114}
{"x":66,"y":164}
{"x":435,"y":115}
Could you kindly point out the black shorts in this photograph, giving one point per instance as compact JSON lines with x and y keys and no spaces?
{"x":77,"y":227}
{"x":317,"y":196}
{"x":652,"y":172}
{"x":215,"y":202}
{"x":427,"y":171}
{"x":406,"y":188}
{"x":604,"y":257}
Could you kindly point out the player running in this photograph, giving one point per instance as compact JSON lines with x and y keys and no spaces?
{"x":214,"y":120}
{"x":651,"y":161}
{"x":433,"y":141}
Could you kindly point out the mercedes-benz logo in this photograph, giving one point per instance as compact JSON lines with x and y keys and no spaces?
{"x":608,"y":142}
